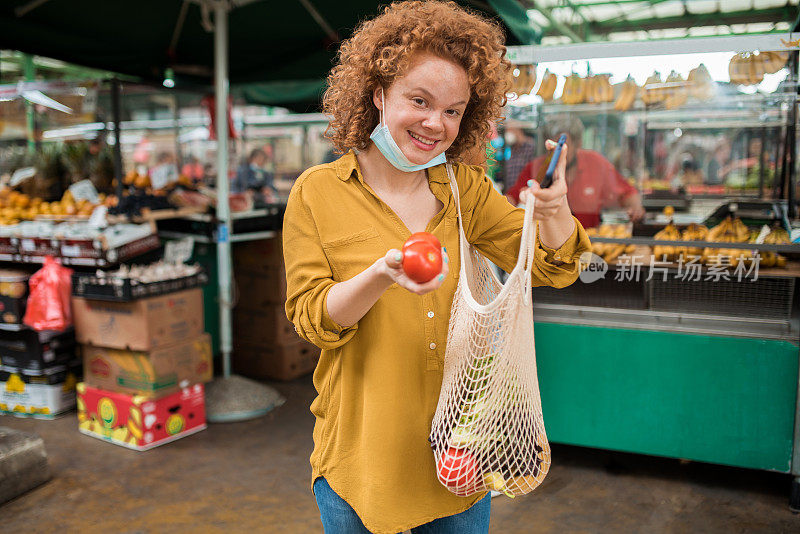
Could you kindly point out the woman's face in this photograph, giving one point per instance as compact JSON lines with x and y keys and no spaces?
{"x":425,"y":106}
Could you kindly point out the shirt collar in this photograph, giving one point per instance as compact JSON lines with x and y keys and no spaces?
{"x":347,"y":165}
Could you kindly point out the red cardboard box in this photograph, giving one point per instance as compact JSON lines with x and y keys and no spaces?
{"x":144,"y":324}
{"x":139,"y":422}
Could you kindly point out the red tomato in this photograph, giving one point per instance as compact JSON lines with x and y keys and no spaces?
{"x":457,"y":469}
{"x":422,"y":261}
{"x":423,"y":236}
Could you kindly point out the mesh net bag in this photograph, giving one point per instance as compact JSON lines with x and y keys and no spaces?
{"x":488,"y":432}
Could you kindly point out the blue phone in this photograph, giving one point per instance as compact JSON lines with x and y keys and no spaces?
{"x":551,"y":168}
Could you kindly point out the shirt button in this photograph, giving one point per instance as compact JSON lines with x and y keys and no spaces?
{"x":430,"y":315}
{"x":432,"y":346}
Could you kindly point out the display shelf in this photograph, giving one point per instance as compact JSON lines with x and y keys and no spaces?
{"x":530,"y":54}
{"x":792,"y":248}
{"x":156,"y":215}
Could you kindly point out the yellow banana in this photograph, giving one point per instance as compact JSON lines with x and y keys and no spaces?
{"x":548,"y":86}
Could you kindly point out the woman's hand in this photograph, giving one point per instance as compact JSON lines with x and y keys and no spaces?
{"x":391,"y":267}
{"x":549,"y":201}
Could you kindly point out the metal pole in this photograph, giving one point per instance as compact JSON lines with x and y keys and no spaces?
{"x":223,"y":211}
{"x":761,"y":170}
{"x":177,"y":131}
{"x":116,"y":90}
{"x":791,"y":141}
{"x":230,"y":397}
{"x":29,"y":71}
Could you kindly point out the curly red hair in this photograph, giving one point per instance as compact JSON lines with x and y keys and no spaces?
{"x":380,"y":50}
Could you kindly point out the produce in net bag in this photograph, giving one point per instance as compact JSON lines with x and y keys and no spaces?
{"x":488,"y":432}
{"x":49,"y":300}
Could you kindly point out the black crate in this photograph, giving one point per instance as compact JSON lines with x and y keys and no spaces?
{"x":55,"y":374}
{"x":90,"y":286}
{"x":36,"y":351}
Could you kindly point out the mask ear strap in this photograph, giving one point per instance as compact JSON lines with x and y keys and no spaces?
{"x":383,"y":108}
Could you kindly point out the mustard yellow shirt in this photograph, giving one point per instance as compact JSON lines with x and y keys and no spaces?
{"x":378,"y":381}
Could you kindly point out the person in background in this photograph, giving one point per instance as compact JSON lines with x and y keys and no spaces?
{"x":594,"y":184}
{"x":689,"y":174}
{"x":251,"y":176}
{"x":518,"y":150}
{"x":193,"y":169}
{"x":720,"y":165}
{"x":165,"y":170}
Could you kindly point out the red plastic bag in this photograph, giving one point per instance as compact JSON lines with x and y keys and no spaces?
{"x":49,"y":305}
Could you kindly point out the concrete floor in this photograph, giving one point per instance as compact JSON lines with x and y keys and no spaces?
{"x":255,"y":477}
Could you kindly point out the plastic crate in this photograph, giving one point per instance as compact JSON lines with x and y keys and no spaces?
{"x":90,"y":286}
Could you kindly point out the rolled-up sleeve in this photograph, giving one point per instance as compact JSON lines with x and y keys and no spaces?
{"x":308,"y":277}
{"x":494,"y":227}
{"x":560,"y":267}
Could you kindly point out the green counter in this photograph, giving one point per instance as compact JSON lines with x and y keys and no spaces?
{"x":706,"y":398}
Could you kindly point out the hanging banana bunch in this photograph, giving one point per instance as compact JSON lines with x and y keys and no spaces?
{"x":523,"y":82}
{"x":756,"y":69}
{"x":774,"y":61}
{"x":598,"y":89}
{"x":627,"y":95}
{"x":589,"y":85}
{"x":677,"y":91}
{"x":652,"y":92}
{"x":548,"y":86}
{"x":746,"y":68}
{"x":605,"y":92}
{"x":738,"y":69}
{"x":574,"y":90}
{"x":701,"y":86}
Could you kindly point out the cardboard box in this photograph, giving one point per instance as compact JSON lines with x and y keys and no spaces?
{"x":36,"y":351}
{"x":258,"y":255}
{"x":267,"y":326}
{"x":144,"y":324}
{"x":20,"y":397}
{"x":140,"y":422}
{"x":261,"y":289}
{"x":13,"y":295}
{"x":155,"y":372}
{"x":276,"y":362}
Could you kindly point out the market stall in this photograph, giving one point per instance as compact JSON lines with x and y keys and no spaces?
{"x":683,"y":327}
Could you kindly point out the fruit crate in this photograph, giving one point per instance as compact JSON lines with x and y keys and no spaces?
{"x":90,"y":286}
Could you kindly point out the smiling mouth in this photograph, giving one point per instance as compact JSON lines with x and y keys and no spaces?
{"x":423,"y":140}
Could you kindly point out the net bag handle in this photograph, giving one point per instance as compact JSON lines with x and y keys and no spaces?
{"x":527,"y":243}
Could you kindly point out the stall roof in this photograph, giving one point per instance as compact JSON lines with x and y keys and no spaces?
{"x":566,"y":21}
{"x":269,"y":41}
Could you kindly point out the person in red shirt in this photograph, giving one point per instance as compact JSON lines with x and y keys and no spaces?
{"x":594,"y":184}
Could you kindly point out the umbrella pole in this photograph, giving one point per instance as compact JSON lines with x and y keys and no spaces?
{"x":228,"y":398}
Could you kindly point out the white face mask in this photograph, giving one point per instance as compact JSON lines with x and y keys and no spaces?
{"x":388,"y":147}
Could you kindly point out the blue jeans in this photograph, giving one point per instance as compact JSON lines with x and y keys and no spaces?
{"x":338,"y":517}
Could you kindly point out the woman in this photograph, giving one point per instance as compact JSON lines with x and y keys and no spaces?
{"x":418,"y":84}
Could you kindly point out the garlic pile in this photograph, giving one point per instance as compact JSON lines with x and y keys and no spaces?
{"x":146,"y":274}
